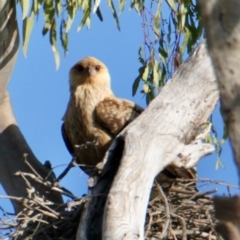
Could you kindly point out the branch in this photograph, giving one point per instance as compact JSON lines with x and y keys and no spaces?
{"x":13,"y":146}
{"x":166,"y":132}
{"x":222,"y":19}
{"x":222,"y":22}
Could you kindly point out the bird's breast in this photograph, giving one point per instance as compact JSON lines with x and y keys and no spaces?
{"x":79,"y":119}
{"x":83,"y":130}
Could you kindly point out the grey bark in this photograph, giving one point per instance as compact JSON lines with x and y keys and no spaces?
{"x":222,"y":19}
{"x":222,"y":23}
{"x":165,"y":133}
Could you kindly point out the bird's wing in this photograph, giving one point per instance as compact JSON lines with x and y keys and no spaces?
{"x":113,"y":114}
{"x":66,"y":140}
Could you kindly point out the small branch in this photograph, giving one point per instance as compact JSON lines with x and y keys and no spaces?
{"x":164,"y":231}
{"x":30,"y":166}
{"x":66,"y":170}
{"x":184,"y":228}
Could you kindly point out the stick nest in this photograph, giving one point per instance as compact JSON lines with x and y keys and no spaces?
{"x":177,"y":211}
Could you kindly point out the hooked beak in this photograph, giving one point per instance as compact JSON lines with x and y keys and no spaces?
{"x":91,"y":70}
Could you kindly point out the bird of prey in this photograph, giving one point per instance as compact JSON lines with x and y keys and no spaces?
{"x":94,"y":116}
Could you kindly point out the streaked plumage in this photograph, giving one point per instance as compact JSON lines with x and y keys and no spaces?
{"x":94,"y":117}
{"x":93,"y":113}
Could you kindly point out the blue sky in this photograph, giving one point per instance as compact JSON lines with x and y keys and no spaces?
{"x":39,"y":93}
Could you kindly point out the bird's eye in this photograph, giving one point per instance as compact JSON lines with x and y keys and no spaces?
{"x":79,"y":68}
{"x":97,"y":67}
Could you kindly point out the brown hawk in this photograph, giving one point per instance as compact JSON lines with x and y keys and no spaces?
{"x":94,"y":117}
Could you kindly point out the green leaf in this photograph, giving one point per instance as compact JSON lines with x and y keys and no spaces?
{"x":183,"y":12}
{"x":171,"y":4}
{"x":121,"y":5}
{"x":58,"y":6}
{"x":27,"y":29}
{"x":69,"y":23}
{"x":96,"y":5}
{"x":145,"y":73}
{"x":53,"y":41}
{"x":64,"y":36}
{"x":136,"y":85}
{"x":145,"y":88}
{"x":99,"y":14}
{"x":163,"y":52}
{"x":225,"y":135}
{"x":48,"y":11}
{"x":187,"y":35}
{"x":156,"y":73}
{"x":138,"y":5}
{"x":169,"y":31}
{"x":208,"y":138}
{"x":71,"y":15}
{"x":157,"y":19}
{"x":215,"y":141}
{"x":111,"y":5}
{"x":46,"y":28}
{"x":25,"y":5}
{"x":35,"y":7}
{"x":86,"y":6}
{"x":163,"y":56}
{"x":88,"y":21}
{"x":163,"y":74}
{"x":84,"y":20}
{"x":219,"y":164}
{"x":149,"y":97}
{"x":140,"y":55}
{"x":70,"y":10}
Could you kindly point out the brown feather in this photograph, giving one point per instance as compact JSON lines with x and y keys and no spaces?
{"x":115,"y":114}
{"x":94,"y":117}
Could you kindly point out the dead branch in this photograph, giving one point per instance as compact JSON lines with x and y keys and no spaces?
{"x":166,"y":132}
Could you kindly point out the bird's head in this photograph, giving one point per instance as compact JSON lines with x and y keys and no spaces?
{"x":89,"y":71}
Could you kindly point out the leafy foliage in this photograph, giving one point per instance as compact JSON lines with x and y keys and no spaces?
{"x":59,"y":16}
{"x":167,"y":39}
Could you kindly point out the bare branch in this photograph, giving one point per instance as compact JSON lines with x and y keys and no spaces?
{"x":13,"y":146}
{"x":165,"y":133}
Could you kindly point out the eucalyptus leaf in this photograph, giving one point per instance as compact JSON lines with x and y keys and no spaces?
{"x":115,"y":16}
{"x":25,"y":5}
{"x":53,"y":41}
{"x":27,"y":29}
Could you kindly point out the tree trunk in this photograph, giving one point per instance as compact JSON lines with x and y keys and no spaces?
{"x":167,"y":132}
{"x":13,"y":146}
{"x":222,"y":19}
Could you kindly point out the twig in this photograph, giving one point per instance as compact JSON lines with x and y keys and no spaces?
{"x":33,"y":177}
{"x":42,"y":204}
{"x":173,"y":234}
{"x":45,"y":183}
{"x":30,"y":166}
{"x":72,"y":204}
{"x":199,"y":195}
{"x":164,"y":231}
{"x":66,"y":170}
{"x":196,"y":232}
{"x":184,"y":229}
{"x":66,"y":192}
{"x":208,"y":180}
